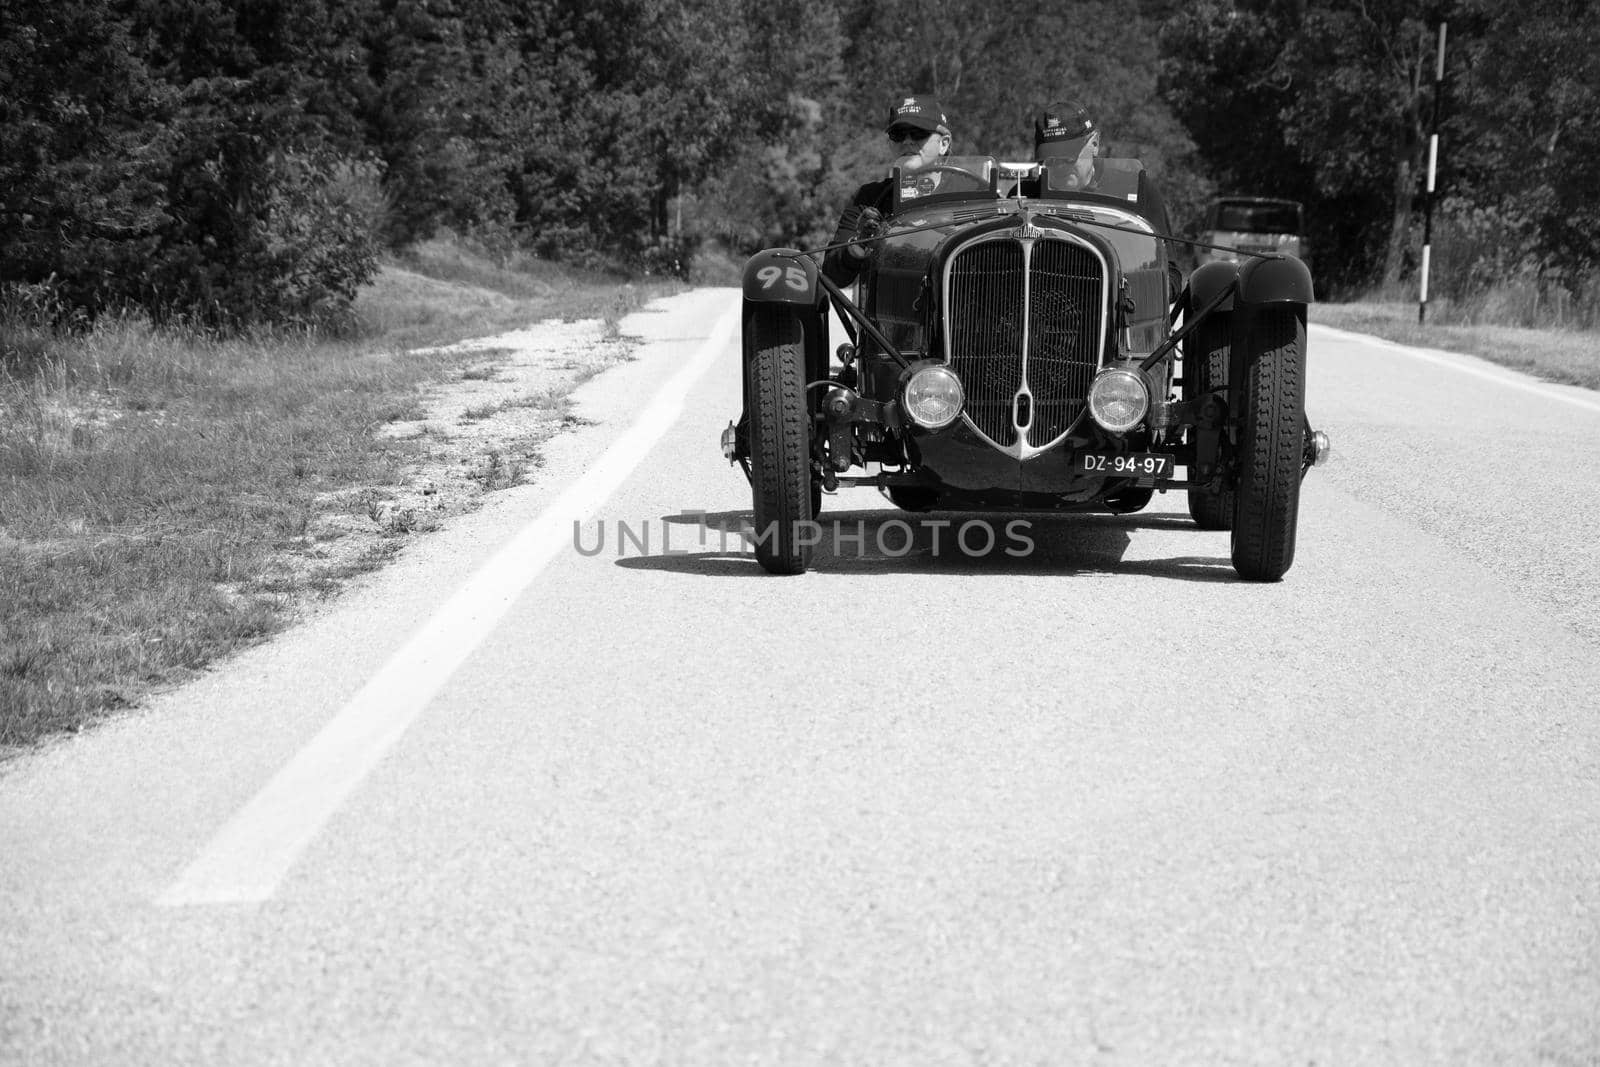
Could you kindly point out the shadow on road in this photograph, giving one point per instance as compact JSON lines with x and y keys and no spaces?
{"x":867,"y":542}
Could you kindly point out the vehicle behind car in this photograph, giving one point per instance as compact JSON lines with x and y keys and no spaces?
{"x":1259,"y":224}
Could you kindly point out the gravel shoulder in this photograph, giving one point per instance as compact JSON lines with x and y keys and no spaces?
{"x":480,"y":432}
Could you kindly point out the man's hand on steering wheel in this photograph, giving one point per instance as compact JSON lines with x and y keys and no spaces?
{"x":867,"y":224}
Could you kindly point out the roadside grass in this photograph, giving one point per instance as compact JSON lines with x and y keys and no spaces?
{"x":1568,"y":356}
{"x":442,"y":291}
{"x":156,"y":484}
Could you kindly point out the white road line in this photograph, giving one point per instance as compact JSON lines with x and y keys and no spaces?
{"x":246,"y":860}
{"x":1459,"y":362}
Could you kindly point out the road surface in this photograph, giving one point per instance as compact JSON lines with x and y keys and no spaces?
{"x":574,"y":782}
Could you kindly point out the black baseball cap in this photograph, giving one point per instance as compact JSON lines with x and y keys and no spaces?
{"x":1063,"y":121}
{"x":918,"y":112}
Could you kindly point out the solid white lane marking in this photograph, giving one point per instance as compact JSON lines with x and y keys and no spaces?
{"x":248,"y":857}
{"x":1499,"y":375}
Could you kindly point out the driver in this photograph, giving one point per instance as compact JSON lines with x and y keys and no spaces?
{"x":920,"y":134}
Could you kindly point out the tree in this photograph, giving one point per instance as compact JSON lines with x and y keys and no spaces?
{"x":441,"y":115}
{"x":1521,"y":147}
{"x":624,"y":123}
{"x":1361,"y":74}
{"x":169,"y":156}
{"x":1318,"y":100}
{"x":82,"y":150}
{"x":261,"y":222}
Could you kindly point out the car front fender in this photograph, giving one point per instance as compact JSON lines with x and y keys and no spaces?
{"x":1275,"y":280}
{"x":782,"y":276}
{"x":1209,"y":281}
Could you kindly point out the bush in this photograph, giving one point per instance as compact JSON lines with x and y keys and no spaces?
{"x":1487,"y":268}
{"x":280,"y":237}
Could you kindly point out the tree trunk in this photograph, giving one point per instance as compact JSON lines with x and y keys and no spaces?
{"x":1410,"y":159}
{"x":1394,"y":256}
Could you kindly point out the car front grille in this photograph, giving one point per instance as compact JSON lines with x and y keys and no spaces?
{"x":1023,"y":318}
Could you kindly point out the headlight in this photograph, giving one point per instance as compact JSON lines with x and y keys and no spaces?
{"x":933,"y":397}
{"x":1118,"y":399}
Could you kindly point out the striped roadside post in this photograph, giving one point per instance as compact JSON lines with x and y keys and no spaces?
{"x":1433,"y":166}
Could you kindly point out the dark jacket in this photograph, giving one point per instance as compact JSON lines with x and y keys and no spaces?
{"x":838,"y":265}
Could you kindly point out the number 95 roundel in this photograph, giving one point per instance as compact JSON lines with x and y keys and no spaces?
{"x":781,"y":276}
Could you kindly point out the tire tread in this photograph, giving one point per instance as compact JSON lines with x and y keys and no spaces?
{"x":1267,"y":500}
{"x":780,"y":441}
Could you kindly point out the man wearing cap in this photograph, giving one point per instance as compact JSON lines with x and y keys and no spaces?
{"x":920,"y":134}
{"x":1066,"y":138}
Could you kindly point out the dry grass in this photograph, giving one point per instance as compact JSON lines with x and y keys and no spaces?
{"x":1568,"y":356}
{"x":157,"y":486}
{"x":442,"y":291}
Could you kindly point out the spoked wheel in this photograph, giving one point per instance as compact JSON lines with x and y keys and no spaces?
{"x":783,"y":488}
{"x":1271,"y":451}
{"x":1206,"y":371}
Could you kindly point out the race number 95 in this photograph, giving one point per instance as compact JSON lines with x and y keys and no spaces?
{"x":778,"y":276}
{"x":793,"y":277}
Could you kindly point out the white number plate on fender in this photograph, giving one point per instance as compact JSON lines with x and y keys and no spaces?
{"x":1124,"y":464}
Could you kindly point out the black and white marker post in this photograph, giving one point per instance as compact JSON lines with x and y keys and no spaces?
{"x":1433,"y":166}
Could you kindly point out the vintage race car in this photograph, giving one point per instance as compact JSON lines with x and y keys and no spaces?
{"x":1014,"y":347}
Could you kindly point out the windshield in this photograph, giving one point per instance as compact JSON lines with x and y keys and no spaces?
{"x":1257,"y":218}
{"x":953,"y":177}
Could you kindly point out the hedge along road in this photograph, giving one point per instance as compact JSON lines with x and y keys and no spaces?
{"x":542,"y":795}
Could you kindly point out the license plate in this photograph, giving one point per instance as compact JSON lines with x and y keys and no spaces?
{"x":1124,"y":464}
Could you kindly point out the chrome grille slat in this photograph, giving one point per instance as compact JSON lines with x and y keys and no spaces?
{"x":1045,"y":293}
{"x":986,"y":329}
{"x":1064,"y":314}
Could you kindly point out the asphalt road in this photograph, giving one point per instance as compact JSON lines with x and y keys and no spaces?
{"x":542,"y":793}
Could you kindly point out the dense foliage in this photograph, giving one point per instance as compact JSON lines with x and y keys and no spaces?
{"x":234,"y":162}
{"x":1331,"y":102}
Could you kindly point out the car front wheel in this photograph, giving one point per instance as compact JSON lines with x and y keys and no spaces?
{"x":780,"y":440}
{"x":1271,"y":443}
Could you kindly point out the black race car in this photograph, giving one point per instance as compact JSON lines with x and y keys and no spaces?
{"x":1014,"y":346}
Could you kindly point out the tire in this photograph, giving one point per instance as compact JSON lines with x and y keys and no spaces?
{"x":780,"y":440}
{"x":1205,"y":372}
{"x":1266,"y":505}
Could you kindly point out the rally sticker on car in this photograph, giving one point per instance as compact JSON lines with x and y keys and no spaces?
{"x":1124,"y":464}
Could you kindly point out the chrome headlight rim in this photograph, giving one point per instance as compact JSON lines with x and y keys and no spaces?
{"x":1116,"y":386}
{"x":920,"y":396}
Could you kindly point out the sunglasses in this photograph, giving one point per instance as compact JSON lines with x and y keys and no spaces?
{"x":902,"y":134}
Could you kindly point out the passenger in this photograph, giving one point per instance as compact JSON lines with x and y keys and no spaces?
{"x":920,"y":134}
{"x":1067,"y":139}
{"x":1066,"y":135}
